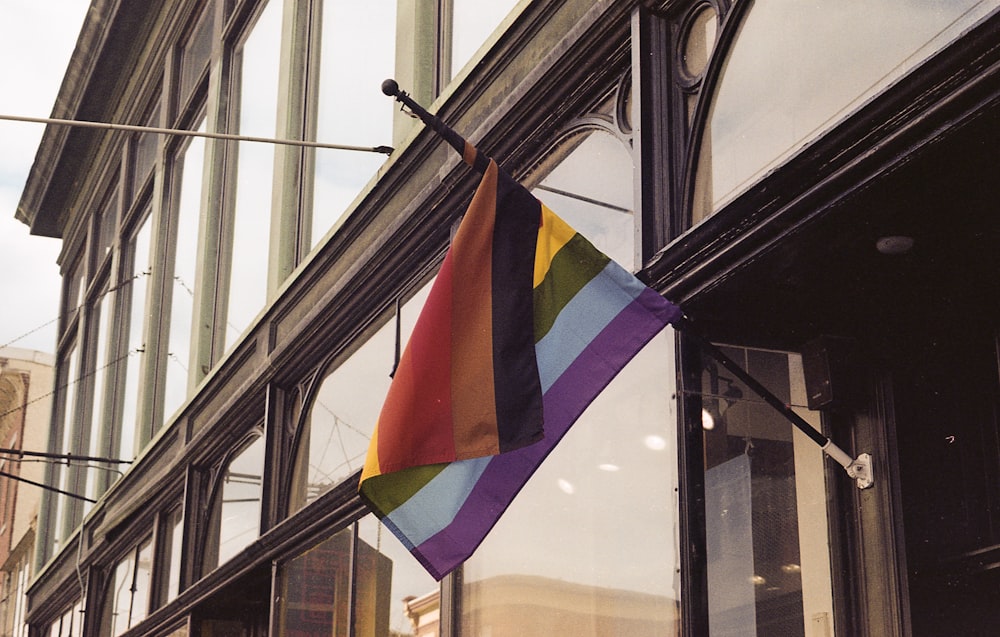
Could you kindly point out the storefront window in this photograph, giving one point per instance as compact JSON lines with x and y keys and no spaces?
{"x":606,"y":496}
{"x":258,"y":102}
{"x":765,"y":504}
{"x":798,"y":68}
{"x":335,"y":437}
{"x":352,"y":110}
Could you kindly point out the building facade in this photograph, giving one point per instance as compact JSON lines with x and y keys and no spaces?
{"x":26,"y":378}
{"x":811,"y":182}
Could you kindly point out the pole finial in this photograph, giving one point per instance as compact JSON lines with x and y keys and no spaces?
{"x":390,"y":87}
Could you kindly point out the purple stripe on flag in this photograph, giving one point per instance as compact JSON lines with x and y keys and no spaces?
{"x":565,"y":400}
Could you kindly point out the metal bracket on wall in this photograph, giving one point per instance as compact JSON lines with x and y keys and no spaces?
{"x":861,"y":471}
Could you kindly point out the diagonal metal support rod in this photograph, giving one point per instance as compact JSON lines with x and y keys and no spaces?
{"x":858,"y":468}
{"x":4,"y":474}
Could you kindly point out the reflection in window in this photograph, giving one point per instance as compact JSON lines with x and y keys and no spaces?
{"x":135,"y":292}
{"x":237,"y":505}
{"x":258,"y":103}
{"x":606,"y":498}
{"x":765,"y":504}
{"x":778,"y":93}
{"x":473,"y":23}
{"x":127,"y":601}
{"x":316,"y":589}
{"x":350,"y":111}
{"x":335,"y":437}
{"x":591,"y":189}
{"x":190,"y":165}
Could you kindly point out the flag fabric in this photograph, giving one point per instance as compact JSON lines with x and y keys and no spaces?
{"x":525,"y":325}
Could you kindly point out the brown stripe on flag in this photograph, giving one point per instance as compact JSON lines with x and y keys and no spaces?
{"x":472,"y":382}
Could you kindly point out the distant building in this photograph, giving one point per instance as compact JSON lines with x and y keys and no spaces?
{"x":25,"y":413}
{"x":814,"y":183}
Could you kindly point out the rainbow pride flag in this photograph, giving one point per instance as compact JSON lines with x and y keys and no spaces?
{"x":525,"y":325}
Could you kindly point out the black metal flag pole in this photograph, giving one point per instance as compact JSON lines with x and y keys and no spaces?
{"x":858,"y":468}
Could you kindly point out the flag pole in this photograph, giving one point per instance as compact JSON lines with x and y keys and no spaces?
{"x":858,"y":468}
{"x":478,"y":160}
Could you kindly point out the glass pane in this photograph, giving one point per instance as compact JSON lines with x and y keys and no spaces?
{"x":129,"y":596}
{"x":260,"y":58}
{"x":343,"y":413}
{"x":141,"y":270}
{"x":70,"y":382}
{"x":172,"y":543}
{"x":597,"y":202}
{"x":195,"y":53}
{"x":765,"y":504}
{"x":190,"y":165}
{"x":395,"y":595}
{"x":314,"y":590}
{"x":101,"y":314}
{"x":351,"y":110}
{"x":780,"y":91}
{"x":474,"y":22}
{"x":606,"y":497}
{"x":145,"y":153}
{"x":241,"y":493}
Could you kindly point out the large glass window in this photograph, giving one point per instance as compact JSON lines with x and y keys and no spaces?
{"x":338,"y":429}
{"x":767,"y":541}
{"x":259,"y":59}
{"x":797,"y":68}
{"x":606,"y":496}
{"x":351,"y":109}
{"x":190,"y":164}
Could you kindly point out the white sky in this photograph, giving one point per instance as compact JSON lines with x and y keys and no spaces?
{"x":36,"y":41}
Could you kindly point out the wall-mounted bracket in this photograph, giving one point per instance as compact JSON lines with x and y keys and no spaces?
{"x":861,"y":471}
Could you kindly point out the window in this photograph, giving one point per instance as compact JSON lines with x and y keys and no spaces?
{"x":130,"y":366}
{"x":767,"y":541}
{"x":335,"y":437}
{"x":236,"y":508}
{"x":258,"y":60}
{"x":69,"y":624}
{"x":473,"y":22}
{"x":617,"y":565}
{"x":828,"y":61}
{"x":128,"y":596}
{"x":169,"y":561}
{"x":189,"y":165}
{"x":351,"y":110}
{"x":354,"y":567}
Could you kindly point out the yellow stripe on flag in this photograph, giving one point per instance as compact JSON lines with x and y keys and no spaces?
{"x":553,"y":234}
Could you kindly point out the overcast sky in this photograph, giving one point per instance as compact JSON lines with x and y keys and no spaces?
{"x":36,"y":41}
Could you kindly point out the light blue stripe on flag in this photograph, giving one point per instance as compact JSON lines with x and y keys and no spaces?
{"x":434,"y":506}
{"x":583,"y":318}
